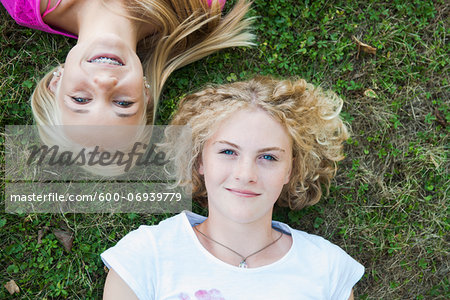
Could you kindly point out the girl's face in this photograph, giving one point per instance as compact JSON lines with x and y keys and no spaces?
{"x":245,"y":165}
{"x":101,"y":84}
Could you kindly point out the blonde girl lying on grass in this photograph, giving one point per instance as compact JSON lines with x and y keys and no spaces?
{"x":255,"y":143}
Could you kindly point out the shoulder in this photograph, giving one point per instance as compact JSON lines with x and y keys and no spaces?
{"x":304,"y":241}
{"x":24,"y":12}
{"x":135,"y":258}
{"x":315,"y":242}
{"x":317,"y":248}
{"x":147,"y":241}
{"x":147,"y":236}
{"x":331,"y":261}
{"x":28,"y":14}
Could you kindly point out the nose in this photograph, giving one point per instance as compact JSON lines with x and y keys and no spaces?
{"x":105,"y":81}
{"x":246,"y":170}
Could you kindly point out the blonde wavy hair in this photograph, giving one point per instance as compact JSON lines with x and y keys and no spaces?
{"x":187,"y":30}
{"x":309,"y":114}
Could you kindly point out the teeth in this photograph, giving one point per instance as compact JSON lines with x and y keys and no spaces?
{"x":106,"y":60}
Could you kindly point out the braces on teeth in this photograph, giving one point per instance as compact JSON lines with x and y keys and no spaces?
{"x":106,"y":60}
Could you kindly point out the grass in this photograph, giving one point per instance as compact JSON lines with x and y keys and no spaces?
{"x":388,"y":206}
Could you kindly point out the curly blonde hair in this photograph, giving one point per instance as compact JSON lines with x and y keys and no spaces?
{"x":309,"y":114}
{"x":187,"y":30}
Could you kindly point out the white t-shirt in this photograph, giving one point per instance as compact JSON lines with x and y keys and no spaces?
{"x":167,"y":261}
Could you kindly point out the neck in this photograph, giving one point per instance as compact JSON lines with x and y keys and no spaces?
{"x":96,"y":19}
{"x":90,"y":18}
{"x":244,"y":238}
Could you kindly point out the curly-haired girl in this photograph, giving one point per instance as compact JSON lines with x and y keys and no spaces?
{"x":255,"y":143}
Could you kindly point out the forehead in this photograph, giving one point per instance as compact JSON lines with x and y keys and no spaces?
{"x":253,"y":128}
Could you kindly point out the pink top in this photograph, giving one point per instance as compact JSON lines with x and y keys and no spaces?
{"x":28,"y":13}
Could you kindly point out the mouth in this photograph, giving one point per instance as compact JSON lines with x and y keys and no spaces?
{"x":243,"y":193}
{"x":106,"y":59}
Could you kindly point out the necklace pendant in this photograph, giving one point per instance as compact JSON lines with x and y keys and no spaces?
{"x":243,"y":265}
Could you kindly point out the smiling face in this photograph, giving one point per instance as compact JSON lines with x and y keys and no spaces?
{"x":245,"y":165}
{"x":101,"y":84}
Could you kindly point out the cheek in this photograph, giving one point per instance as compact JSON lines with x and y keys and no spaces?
{"x":214,"y":171}
{"x":276,"y":181}
{"x":278,"y":184}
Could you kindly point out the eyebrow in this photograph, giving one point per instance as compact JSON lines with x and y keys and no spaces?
{"x":125,"y":115}
{"x":85,"y":111}
{"x":260,"y":150}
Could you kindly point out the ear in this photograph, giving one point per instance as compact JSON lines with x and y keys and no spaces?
{"x":147,"y":91}
{"x":54,"y":82}
{"x":288,"y":174}
{"x":147,"y":96}
{"x":200,"y":169}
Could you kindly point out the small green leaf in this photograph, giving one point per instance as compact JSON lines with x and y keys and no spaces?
{"x":317,"y":222}
{"x":27,"y":84}
{"x":12,"y":269}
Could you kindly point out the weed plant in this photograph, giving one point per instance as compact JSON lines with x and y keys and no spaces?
{"x":388,"y":205}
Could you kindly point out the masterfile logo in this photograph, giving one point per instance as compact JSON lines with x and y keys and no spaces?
{"x":91,"y":169}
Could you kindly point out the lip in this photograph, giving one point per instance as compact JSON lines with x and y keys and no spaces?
{"x":243,"y":193}
{"x":108,"y":55}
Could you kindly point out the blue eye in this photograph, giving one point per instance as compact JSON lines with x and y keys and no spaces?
{"x":80,"y":100}
{"x":124,"y":103}
{"x":268,"y":157}
{"x":227,"y":152}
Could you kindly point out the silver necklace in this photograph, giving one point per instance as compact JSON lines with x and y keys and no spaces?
{"x":243,"y":263}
